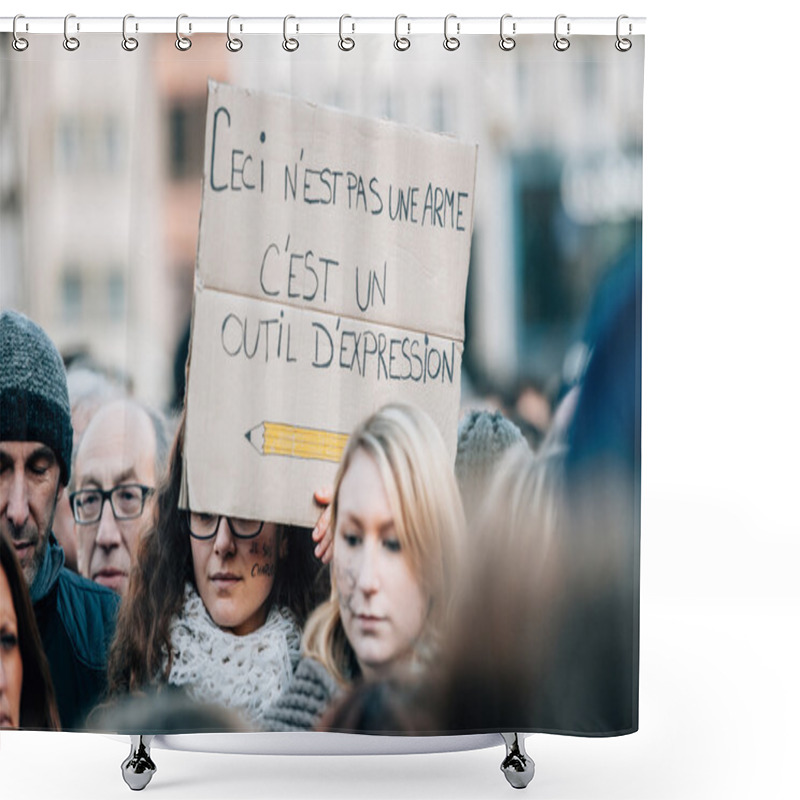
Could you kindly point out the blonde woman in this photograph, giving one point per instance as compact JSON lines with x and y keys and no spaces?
{"x":396,"y":517}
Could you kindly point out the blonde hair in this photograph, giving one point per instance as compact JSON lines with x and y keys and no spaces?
{"x":418,"y":477}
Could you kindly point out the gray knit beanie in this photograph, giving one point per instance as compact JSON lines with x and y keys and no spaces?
{"x":483,"y":438}
{"x":34,"y":404}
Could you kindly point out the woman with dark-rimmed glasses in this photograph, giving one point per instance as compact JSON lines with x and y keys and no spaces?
{"x":215,"y":606}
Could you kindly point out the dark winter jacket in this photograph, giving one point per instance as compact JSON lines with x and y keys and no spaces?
{"x":76,"y":620}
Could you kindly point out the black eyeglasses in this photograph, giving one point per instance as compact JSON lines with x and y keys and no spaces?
{"x":127,"y":502}
{"x":205,"y":526}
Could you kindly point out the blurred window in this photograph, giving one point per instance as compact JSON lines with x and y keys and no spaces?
{"x":387,"y":103}
{"x":115,"y":289}
{"x":72,"y":290}
{"x":112,"y":141}
{"x":68,"y":144}
{"x":86,"y":144}
{"x":187,"y":121}
{"x":439,"y":109}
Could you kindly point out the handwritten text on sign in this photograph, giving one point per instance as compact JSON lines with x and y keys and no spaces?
{"x":331,"y":278}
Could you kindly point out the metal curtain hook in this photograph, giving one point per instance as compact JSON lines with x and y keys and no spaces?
{"x":182,"y":42}
{"x":71,"y":43}
{"x":451,"y":42}
{"x":234,"y":44}
{"x":346,"y":42}
{"x":623,"y":45}
{"x":401,"y":42}
{"x":507,"y":42}
{"x":290,"y":44}
{"x":18,"y":43}
{"x":561,"y":43}
{"x":129,"y":43}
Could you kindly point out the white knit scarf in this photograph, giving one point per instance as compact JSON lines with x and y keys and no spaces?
{"x":244,"y":673}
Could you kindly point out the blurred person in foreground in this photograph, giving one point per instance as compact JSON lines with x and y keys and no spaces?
{"x":565,"y":658}
{"x":380,"y":707}
{"x":600,"y":658}
{"x":546,"y":634}
{"x":119,"y":462}
{"x":396,"y":518}
{"x":165,"y":710}
{"x":27,"y":699}
{"x":499,"y":648}
{"x":75,"y":617}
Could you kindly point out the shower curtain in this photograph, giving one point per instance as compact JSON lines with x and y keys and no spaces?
{"x":269,"y":237}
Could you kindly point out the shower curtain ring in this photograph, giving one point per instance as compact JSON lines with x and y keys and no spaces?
{"x":182,"y":42}
{"x":561,"y":43}
{"x":129,"y":43}
{"x":290,"y":44}
{"x":234,"y":44}
{"x":451,"y":42}
{"x":507,"y":42}
{"x":346,"y":42}
{"x":623,"y":45}
{"x":401,"y":42}
{"x":18,"y":42}
{"x":71,"y":43}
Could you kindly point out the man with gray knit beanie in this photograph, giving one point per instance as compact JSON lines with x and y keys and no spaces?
{"x":76,"y":617}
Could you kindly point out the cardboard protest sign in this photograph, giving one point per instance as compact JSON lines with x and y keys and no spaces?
{"x":331,"y":279}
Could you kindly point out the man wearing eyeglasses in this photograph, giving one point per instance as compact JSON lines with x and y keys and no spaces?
{"x":76,"y":618}
{"x":116,"y":470}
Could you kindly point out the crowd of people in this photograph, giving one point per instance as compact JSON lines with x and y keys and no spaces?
{"x":496,"y":593}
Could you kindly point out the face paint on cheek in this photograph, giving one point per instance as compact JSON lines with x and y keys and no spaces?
{"x":261,"y":548}
{"x":345,"y":586}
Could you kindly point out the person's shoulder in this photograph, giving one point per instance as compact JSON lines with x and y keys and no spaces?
{"x":88,"y":613}
{"x":312,"y":678}
{"x":305,"y":699}
{"x":88,"y":593}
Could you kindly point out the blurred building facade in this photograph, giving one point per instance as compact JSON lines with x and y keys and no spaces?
{"x":102,"y":152}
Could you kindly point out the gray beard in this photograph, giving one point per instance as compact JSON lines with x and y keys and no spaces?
{"x":30,"y":572}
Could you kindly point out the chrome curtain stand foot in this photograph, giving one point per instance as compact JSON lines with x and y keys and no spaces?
{"x":517,"y":766}
{"x":138,"y":768}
